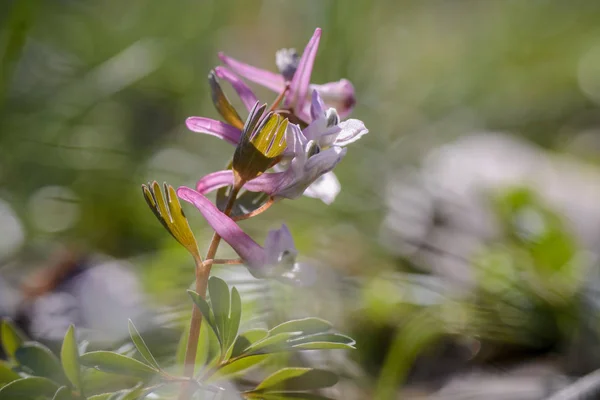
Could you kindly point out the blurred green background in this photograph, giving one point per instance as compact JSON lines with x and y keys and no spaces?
{"x":93,"y":99}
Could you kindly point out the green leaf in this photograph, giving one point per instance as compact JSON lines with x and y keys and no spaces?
{"x":141,"y":346}
{"x":234,"y":318}
{"x":63,"y":393}
{"x":41,"y":361}
{"x":295,"y":379}
{"x":246,"y":339}
{"x":271,"y":341}
{"x":205,"y":310}
{"x":131,"y":394}
{"x":31,"y":388}
{"x":323,"y":341}
{"x":10,"y":337}
{"x":69,"y":356}
{"x":276,"y":379}
{"x":236,"y":367}
{"x":208,"y":346}
{"x":7,"y":374}
{"x":323,"y":346}
{"x":305,"y":325}
{"x":220,"y":302}
{"x":97,"y":382}
{"x":107,"y":361}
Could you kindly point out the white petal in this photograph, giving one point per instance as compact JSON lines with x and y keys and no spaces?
{"x":350,"y":131}
{"x":325,"y":188}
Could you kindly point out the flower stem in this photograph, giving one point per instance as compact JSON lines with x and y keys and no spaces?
{"x":254,"y":213}
{"x":202,"y":275}
{"x":279,"y":98}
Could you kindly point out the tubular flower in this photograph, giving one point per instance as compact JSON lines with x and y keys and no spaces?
{"x":297,"y":73}
{"x":277,"y":259}
{"x":313,"y":153}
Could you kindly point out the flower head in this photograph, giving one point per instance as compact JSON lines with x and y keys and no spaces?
{"x":277,"y":259}
{"x":313,"y":153}
{"x":297,"y":72}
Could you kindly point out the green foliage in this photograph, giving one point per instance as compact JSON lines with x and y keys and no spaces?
{"x":141,"y":346}
{"x":107,"y":361}
{"x":69,"y":356}
{"x":39,"y":360}
{"x":7,"y":374}
{"x":224,"y":312}
{"x":106,"y":375}
{"x":10,"y":337}
{"x":236,"y":366}
{"x":31,"y":388}
{"x":63,"y":393}
{"x":295,"y":379}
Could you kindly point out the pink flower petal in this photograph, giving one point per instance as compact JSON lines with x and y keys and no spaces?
{"x":265,"y":78}
{"x":300,"y":82}
{"x":339,"y":95}
{"x":246,"y":95}
{"x":266,"y":183}
{"x":215,"y":128}
{"x":214,"y":181}
{"x":250,"y":251}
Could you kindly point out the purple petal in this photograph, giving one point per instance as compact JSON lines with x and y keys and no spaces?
{"x":265,"y":78}
{"x":215,"y":128}
{"x":214,"y":181}
{"x":317,"y":106}
{"x":246,"y":95}
{"x":339,"y":95}
{"x":326,"y":188}
{"x":279,"y":245}
{"x":315,"y":167}
{"x":267,"y":183}
{"x":244,"y":246}
{"x":300,"y":82}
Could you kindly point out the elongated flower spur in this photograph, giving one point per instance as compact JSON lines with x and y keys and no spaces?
{"x":277,"y":259}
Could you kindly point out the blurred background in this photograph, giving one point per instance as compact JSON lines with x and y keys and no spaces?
{"x":462,"y":252}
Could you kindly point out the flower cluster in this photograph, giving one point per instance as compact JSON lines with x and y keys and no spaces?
{"x":281,"y":151}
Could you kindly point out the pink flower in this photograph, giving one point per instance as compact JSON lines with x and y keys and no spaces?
{"x":339,"y":95}
{"x":277,"y":259}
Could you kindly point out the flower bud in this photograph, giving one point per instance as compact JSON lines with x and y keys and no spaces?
{"x":262,"y":142}
{"x":287,"y":61}
{"x":168,"y":211}
{"x":222,"y":103}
